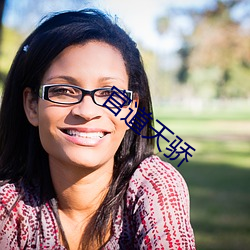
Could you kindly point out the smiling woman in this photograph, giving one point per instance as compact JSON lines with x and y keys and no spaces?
{"x":73,"y":174}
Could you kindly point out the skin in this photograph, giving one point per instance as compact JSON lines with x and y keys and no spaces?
{"x":80,"y":167}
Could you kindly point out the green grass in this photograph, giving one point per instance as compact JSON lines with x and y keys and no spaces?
{"x":217,"y":175}
{"x":218,"y":178}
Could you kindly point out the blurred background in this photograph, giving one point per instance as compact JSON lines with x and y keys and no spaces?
{"x":197,"y":56}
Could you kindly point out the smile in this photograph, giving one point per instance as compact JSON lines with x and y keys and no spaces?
{"x":91,"y":135}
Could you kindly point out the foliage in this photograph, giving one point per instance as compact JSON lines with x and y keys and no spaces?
{"x":220,"y":44}
{"x":159,"y":79}
{"x":10,"y":43}
{"x":2,"y":4}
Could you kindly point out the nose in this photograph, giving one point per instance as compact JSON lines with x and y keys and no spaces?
{"x":87,"y":109}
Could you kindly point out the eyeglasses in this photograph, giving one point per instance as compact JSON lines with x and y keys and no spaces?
{"x":69,"y":94}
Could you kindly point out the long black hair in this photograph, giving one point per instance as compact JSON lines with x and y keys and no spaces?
{"x":22,"y":157}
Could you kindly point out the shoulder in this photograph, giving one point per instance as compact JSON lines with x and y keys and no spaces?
{"x":155,"y":175}
{"x":157,"y":207}
{"x":9,"y":193}
{"x":21,"y":213}
{"x":153,"y":165}
{"x":14,"y":198}
{"x":157,"y":184}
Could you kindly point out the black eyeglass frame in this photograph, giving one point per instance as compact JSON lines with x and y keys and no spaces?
{"x":44,"y":94}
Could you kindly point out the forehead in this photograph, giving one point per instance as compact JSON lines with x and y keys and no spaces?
{"x":88,"y":61}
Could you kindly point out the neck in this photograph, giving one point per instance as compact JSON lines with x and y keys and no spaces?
{"x":80,"y":190}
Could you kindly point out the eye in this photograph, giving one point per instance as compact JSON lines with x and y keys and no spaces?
{"x":63,"y":90}
{"x":103,"y":92}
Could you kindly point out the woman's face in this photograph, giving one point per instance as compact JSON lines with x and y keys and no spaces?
{"x":83,"y":134}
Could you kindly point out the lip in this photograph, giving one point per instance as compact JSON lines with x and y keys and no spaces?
{"x":85,"y":141}
{"x":86,"y":130}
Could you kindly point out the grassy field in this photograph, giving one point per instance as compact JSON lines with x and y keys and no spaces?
{"x":218,"y":174}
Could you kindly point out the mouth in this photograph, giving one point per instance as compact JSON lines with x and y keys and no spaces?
{"x":90,"y":135}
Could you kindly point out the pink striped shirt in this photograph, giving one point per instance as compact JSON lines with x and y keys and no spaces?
{"x":156,"y":214}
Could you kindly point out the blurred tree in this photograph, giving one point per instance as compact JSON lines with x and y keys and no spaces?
{"x":218,"y":41}
{"x":25,"y":15}
{"x":2,"y":4}
{"x":162,"y":24}
{"x":184,"y":53}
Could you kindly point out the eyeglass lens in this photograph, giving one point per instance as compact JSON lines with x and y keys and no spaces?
{"x":70,"y":95}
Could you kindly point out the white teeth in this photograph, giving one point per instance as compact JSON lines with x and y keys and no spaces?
{"x":84,"y":134}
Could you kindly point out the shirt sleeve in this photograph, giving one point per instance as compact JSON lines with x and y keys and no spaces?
{"x":24,"y":224}
{"x":9,"y":217}
{"x":159,"y":203}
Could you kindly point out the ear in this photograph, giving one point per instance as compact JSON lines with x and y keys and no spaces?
{"x":30,"y":105}
{"x":135,"y":103}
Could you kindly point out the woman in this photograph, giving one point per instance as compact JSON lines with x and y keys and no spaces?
{"x":74,"y":176}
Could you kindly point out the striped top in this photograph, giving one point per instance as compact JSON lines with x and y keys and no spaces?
{"x":156,"y":214}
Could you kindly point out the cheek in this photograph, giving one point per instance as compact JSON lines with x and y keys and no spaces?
{"x":125,"y":116}
{"x":120,"y":121}
{"x":45,"y":133}
{"x":48,"y":118}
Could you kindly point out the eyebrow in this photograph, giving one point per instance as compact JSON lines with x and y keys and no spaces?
{"x":103,"y":79}
{"x":67,"y":78}
{"x":74,"y":81}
